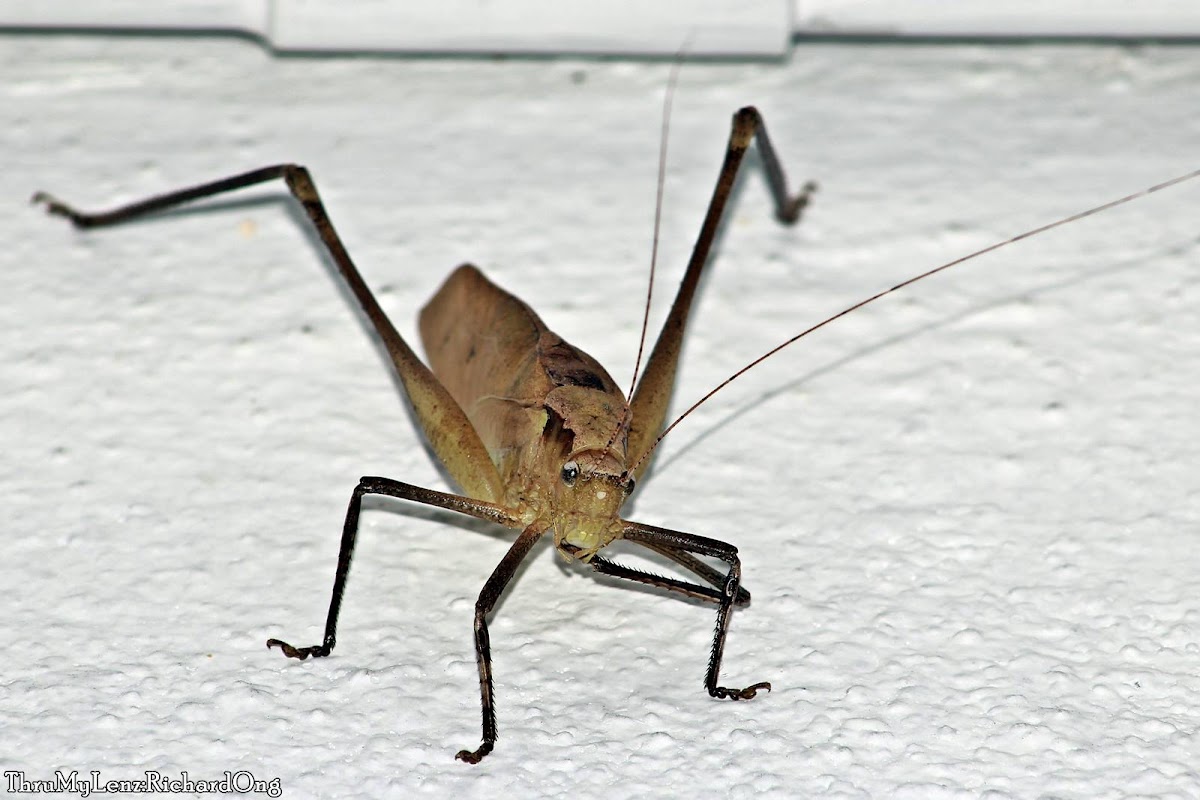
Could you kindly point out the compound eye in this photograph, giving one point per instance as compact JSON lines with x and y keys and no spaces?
{"x":570,"y":472}
{"x":629,"y":486}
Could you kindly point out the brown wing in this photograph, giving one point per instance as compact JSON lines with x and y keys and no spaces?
{"x":482,"y":345}
{"x":499,"y":362}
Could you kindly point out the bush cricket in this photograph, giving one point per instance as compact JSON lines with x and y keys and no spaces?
{"x":534,"y":431}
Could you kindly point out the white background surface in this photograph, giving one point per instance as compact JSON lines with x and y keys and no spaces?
{"x":968,"y":515}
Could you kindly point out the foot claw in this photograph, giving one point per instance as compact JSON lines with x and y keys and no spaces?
{"x":57,"y":208}
{"x":722,"y":693}
{"x":53,"y":206}
{"x":474,"y":757}
{"x":316,"y":650}
{"x":790,"y":214}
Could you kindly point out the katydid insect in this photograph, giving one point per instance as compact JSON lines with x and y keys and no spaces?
{"x":535,"y":432}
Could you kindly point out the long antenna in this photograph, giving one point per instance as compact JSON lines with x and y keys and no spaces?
{"x":672,"y":83}
{"x":664,"y":135}
{"x":1027,"y":234}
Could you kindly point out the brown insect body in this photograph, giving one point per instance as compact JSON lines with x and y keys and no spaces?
{"x":537,"y":403}
{"x":534,"y":431}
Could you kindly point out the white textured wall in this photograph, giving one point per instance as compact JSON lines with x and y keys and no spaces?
{"x":969,"y":515}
